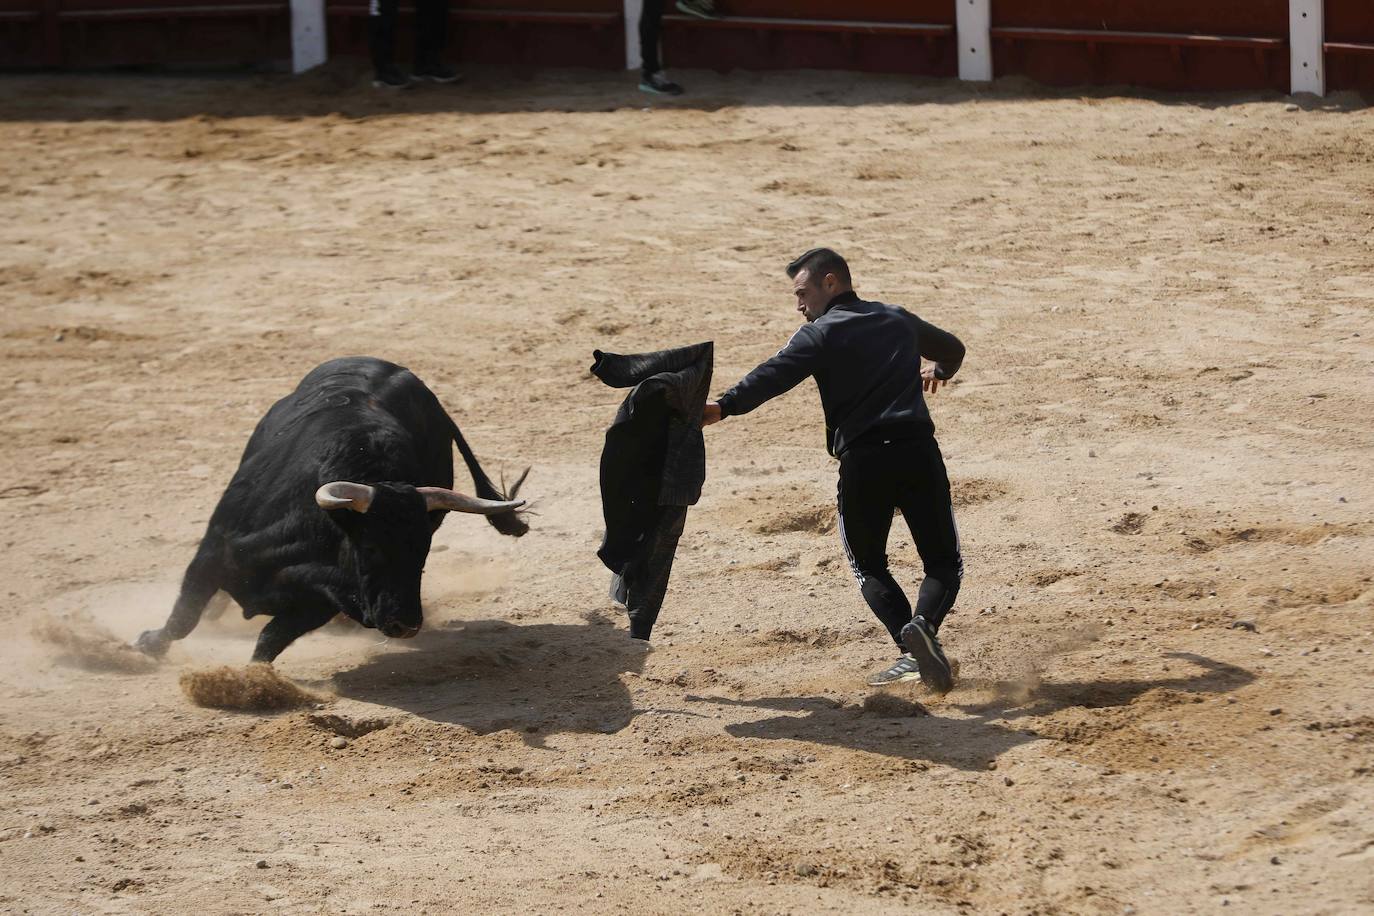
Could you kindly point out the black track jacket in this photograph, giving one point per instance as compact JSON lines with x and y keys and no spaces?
{"x":866,"y":357}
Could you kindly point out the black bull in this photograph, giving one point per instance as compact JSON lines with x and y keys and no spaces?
{"x":332,"y":508}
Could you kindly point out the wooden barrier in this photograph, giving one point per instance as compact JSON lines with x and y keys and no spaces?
{"x":549,"y":33}
{"x":87,"y":34}
{"x":914,"y":36}
{"x":1349,"y":44}
{"x":1166,"y":44}
{"x":1281,"y":45}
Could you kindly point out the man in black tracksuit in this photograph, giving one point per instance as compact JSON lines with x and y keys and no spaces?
{"x":866,"y":358}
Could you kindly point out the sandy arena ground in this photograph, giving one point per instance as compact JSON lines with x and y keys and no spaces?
{"x":1163,"y":428}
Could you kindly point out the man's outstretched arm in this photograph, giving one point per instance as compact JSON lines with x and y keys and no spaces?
{"x":773,"y":377}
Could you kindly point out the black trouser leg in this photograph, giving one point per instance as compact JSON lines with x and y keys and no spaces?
{"x":866,"y":498}
{"x":910,"y":475}
{"x":650,"y":24}
{"x":924,"y":499}
{"x":381,"y":33}
{"x":431,"y":32}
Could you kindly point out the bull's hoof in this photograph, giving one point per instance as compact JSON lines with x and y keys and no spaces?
{"x":152,"y":642}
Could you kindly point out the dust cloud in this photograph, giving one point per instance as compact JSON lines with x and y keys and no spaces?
{"x":81,"y":642}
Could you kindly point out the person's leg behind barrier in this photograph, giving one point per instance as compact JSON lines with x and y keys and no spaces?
{"x":381,"y":43}
{"x":650,"y":25}
{"x":865,"y":500}
{"x":431,"y":37}
{"x":381,"y":33}
{"x":652,"y":79}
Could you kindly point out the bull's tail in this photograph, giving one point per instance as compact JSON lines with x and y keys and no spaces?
{"x":509,"y":523}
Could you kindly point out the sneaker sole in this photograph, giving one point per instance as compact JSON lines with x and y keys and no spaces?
{"x":644,"y":87}
{"x":440,"y":79}
{"x":935,"y":672}
{"x":378,"y":84}
{"x":913,"y":676}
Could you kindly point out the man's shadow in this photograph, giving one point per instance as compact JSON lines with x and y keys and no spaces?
{"x":490,"y":675}
{"x":966,"y":744}
{"x":1016,"y":701}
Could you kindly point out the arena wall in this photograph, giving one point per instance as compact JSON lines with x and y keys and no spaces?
{"x":1164,"y":44}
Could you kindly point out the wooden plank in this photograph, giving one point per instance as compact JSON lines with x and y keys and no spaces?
{"x":546,"y":6}
{"x":535,"y":17}
{"x":1194,"y":17}
{"x":1307,"y":62}
{"x":1137,"y":38}
{"x":837,"y":26}
{"x":941,"y":11}
{"x":309,"y":40}
{"x":173,"y":12}
{"x":52,"y":33}
{"x":632,"y":10}
{"x":974,"y":19}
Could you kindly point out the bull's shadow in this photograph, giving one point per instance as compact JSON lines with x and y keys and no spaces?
{"x":968,"y":743}
{"x":490,"y":675}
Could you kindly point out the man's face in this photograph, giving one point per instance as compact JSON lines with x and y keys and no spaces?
{"x":812,"y":298}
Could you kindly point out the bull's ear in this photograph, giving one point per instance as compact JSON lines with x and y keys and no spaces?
{"x":344,"y":495}
{"x":439,"y":499}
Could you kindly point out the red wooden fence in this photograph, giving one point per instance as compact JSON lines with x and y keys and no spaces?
{"x":1170,"y":44}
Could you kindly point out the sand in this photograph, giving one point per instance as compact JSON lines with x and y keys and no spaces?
{"x":1163,"y":427}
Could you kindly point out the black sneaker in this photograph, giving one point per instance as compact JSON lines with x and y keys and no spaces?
{"x":390,"y":78}
{"x":904,"y":670}
{"x":920,"y":641}
{"x":705,"y":9}
{"x":659,"y":84}
{"x":437,"y":73}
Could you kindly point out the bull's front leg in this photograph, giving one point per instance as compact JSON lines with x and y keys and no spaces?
{"x":283,"y":629}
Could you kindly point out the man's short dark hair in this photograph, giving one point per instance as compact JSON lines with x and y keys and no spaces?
{"x":819,"y":262}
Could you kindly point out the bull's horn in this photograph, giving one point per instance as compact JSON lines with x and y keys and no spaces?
{"x":341,"y":494}
{"x":437,"y":498}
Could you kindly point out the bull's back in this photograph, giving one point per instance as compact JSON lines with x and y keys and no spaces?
{"x":354,"y":418}
{"x":353,"y":391}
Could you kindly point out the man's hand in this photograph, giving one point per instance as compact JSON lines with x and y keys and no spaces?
{"x":929,"y":381}
{"x":711,"y":414}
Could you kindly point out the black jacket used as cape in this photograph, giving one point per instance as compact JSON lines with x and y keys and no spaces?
{"x":652,"y":467}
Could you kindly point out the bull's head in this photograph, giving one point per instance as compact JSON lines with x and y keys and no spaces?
{"x":388,"y":531}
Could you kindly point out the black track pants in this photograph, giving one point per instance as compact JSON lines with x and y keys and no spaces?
{"x":431,"y":32}
{"x":877,"y":477}
{"x":650,"y":24}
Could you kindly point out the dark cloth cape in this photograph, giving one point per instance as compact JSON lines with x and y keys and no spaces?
{"x":652,"y":468}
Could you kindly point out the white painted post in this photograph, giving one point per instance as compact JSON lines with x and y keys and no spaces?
{"x":1307,"y":60}
{"x":308,"y":48}
{"x":973,"y":20}
{"x":632,"y":10}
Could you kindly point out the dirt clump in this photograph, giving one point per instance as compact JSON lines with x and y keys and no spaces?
{"x":891,"y":706}
{"x":256,"y":687}
{"x":346,"y":727}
